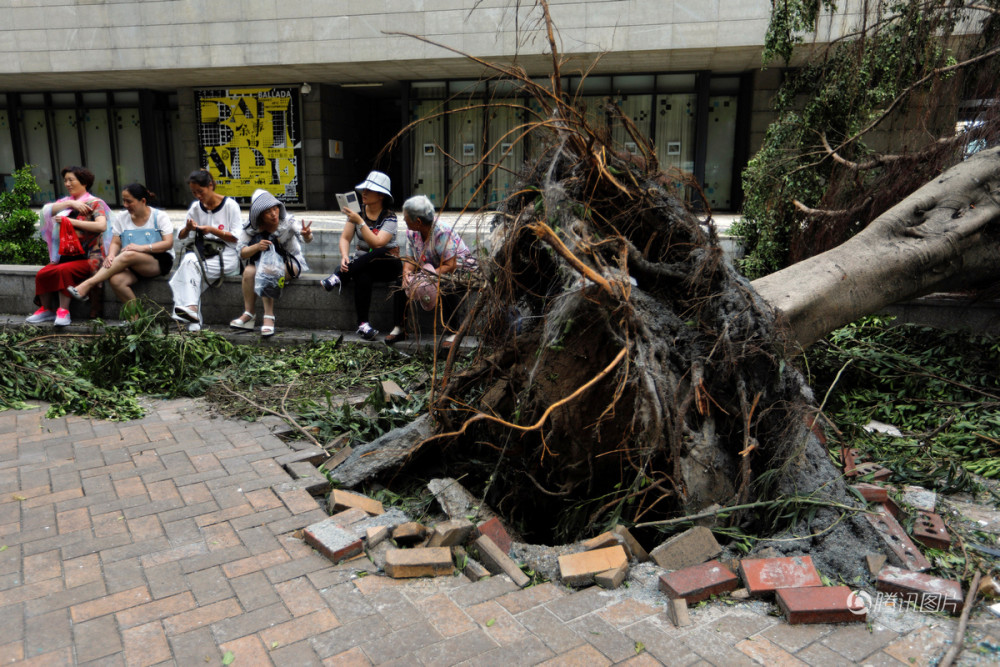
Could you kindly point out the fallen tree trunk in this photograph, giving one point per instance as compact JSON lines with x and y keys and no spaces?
{"x":942,"y":236}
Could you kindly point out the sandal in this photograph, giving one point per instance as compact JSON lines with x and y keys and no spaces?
{"x":265,"y":329}
{"x":240,"y":323}
{"x":73,"y":292}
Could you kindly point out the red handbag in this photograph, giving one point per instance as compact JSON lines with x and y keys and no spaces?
{"x":69,"y":242}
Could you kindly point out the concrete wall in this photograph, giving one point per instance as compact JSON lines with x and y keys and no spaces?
{"x":171,"y":43}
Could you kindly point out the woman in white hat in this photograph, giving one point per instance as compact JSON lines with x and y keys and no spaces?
{"x":377,"y":256}
{"x":270,"y":225}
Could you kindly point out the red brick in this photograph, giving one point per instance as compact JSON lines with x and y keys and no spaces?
{"x":848,"y":456}
{"x":347,"y":517}
{"x":896,"y":539}
{"x":602,"y":541}
{"x":156,"y":610}
{"x":202,"y":616}
{"x":631,"y":543}
{"x":375,"y":535}
{"x":249,"y":650}
{"x":677,"y":610}
{"x":39,"y":567}
{"x":820,"y":604}
{"x":110,"y":604}
{"x":300,"y":596}
{"x":451,"y":533}
{"x":254,"y":563}
{"x":930,"y":531}
{"x":409,"y":533}
{"x":692,"y":547}
{"x":73,"y":520}
{"x":131,"y":486}
{"x":332,"y":540}
{"x":873,"y":493}
{"x":342,"y":500}
{"x":145,"y":645}
{"x":418,"y":562}
{"x":614,"y":577}
{"x":263,"y":499}
{"x":300,"y":628}
{"x":698,"y":582}
{"x":873,"y":470}
{"x":579,"y":569}
{"x":298,"y":501}
{"x":762,"y":576}
{"x":496,"y":532}
{"x":922,"y":590}
{"x":220,"y":536}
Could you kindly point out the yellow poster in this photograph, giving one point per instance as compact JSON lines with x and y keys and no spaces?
{"x":249,"y":139}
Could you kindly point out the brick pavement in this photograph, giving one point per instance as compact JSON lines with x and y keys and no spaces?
{"x":171,"y":540}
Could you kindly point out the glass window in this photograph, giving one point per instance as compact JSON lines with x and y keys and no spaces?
{"x":592,"y":85}
{"x":465,"y":138}
{"x":428,"y":89}
{"x":675,"y":120}
{"x":7,"y":164}
{"x":428,"y":151}
{"x":130,"y":165}
{"x":95,"y":99}
{"x":63,"y":100}
{"x":719,"y":158}
{"x":639,"y":83}
{"x":127,"y":97}
{"x":66,"y":126}
{"x":36,"y":145}
{"x":33,"y":99}
{"x":638,"y":109}
{"x":467,"y":87}
{"x":675,"y":83}
{"x":724,"y":85}
{"x":97,"y":140}
{"x":506,"y":147}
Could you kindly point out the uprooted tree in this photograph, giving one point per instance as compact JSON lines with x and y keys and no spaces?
{"x":628,"y":372}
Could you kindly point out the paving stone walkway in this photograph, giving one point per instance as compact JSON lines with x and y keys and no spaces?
{"x":172,"y":540}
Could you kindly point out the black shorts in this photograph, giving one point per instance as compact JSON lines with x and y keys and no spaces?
{"x":166,"y":261}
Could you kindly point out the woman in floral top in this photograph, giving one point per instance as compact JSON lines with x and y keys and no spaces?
{"x":432,"y":249}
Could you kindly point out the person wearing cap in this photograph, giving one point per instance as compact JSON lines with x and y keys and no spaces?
{"x":377,"y":256}
{"x":270,"y":225}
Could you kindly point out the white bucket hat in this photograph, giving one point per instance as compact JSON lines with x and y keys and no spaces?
{"x":376,"y":182}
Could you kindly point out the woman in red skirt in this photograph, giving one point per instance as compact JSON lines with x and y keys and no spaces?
{"x":88,"y":215}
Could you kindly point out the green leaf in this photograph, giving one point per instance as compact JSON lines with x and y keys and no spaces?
{"x":639,"y":647}
{"x":228,"y":658}
{"x":490,"y":622}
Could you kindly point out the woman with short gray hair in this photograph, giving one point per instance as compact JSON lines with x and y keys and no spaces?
{"x":432,"y":249}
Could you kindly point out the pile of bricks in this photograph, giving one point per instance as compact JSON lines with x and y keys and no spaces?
{"x":405,"y":549}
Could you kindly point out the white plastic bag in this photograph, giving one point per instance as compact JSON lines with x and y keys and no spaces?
{"x":270,"y":276}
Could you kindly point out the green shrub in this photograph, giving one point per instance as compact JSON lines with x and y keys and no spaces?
{"x":19,"y":241}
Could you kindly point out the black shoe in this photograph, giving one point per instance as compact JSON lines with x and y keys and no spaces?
{"x":367,"y":331}
{"x":392,"y":339}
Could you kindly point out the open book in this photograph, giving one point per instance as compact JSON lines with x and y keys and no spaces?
{"x":349,"y":200}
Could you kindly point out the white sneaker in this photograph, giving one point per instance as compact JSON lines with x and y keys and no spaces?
{"x":62,"y":318}
{"x":40,"y":315}
{"x":194,"y":326}
{"x":367,"y":331}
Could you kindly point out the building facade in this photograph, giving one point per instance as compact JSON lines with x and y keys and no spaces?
{"x":301,"y":97}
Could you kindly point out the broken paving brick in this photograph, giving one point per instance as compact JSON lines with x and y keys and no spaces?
{"x":921,"y":590}
{"x":343,"y":500}
{"x":451,"y":533}
{"x":312,"y":455}
{"x":409,"y":533}
{"x":930,"y":531}
{"x":821,"y":604}
{"x":497,"y":561}
{"x":472,"y":568}
{"x":393,"y":392}
{"x":351,"y":516}
{"x":849,"y":456}
{"x":875,"y":563}
{"x":316,"y":482}
{"x":872,"y":493}
{"x":896,"y":539}
{"x":698,"y":582}
{"x":496,"y":532}
{"x":455,"y":500}
{"x":677,"y":611}
{"x":376,"y":534}
{"x":418,"y":562}
{"x":612,"y":578}
{"x":579,"y":569}
{"x":740,"y":594}
{"x":763,"y":576}
{"x":873,"y":470}
{"x":692,"y":547}
{"x":339,"y":457}
{"x":603,"y":541}
{"x":332,"y":540}
{"x":632,"y":545}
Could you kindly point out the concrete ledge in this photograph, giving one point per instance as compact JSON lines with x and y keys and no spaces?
{"x":303,"y":305}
